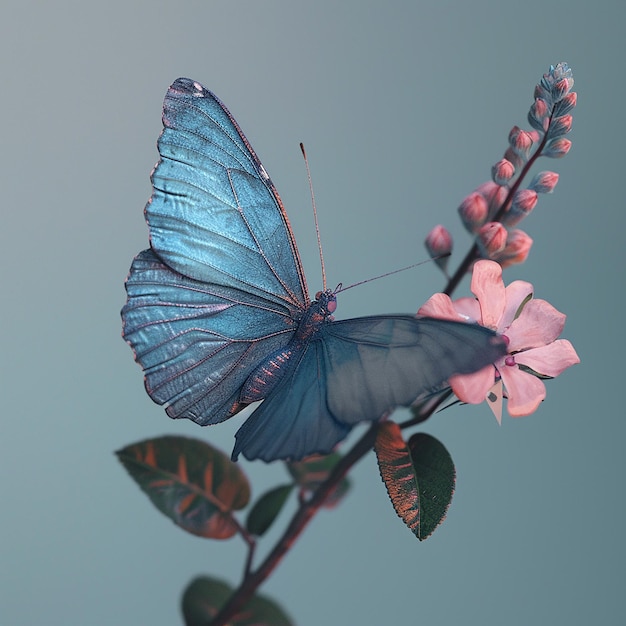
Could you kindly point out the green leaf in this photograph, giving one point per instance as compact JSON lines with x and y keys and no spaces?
{"x":193,"y":483}
{"x":204,"y":597}
{"x":266,"y":509}
{"x":311,"y":472}
{"x":262,"y":611}
{"x":419,"y":477}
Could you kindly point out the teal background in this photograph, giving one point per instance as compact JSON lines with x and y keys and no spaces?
{"x":403,"y":108}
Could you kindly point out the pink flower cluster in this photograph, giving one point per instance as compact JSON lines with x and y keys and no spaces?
{"x":531,"y":328}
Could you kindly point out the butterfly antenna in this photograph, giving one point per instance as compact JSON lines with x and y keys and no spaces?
{"x":317,"y":228}
{"x":402,"y":269}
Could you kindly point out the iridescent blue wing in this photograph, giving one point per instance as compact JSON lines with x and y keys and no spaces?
{"x":222,"y":286}
{"x":294,"y":421}
{"x":196,"y":342}
{"x":357,"y":370}
{"x":215,"y":215}
{"x":380,"y":362}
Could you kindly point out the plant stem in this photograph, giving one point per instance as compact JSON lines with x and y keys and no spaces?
{"x":299,"y":522}
{"x":472,"y":255}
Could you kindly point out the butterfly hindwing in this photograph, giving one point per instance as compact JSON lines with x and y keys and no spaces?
{"x":197,"y":343}
{"x":357,"y":370}
{"x":294,"y":420}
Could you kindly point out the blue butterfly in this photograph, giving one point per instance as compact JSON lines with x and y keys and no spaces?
{"x":218,"y":313}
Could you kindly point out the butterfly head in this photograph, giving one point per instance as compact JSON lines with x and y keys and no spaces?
{"x":326,"y":302}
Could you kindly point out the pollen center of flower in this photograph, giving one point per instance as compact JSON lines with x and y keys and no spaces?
{"x":510,"y":360}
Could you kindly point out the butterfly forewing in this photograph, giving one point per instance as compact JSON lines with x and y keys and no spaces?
{"x":375,"y":364}
{"x":214,"y":214}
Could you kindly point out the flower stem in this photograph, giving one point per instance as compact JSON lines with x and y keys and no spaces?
{"x":298,"y":523}
{"x":473,"y":253}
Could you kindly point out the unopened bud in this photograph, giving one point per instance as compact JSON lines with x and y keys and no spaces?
{"x":544,"y":182}
{"x":541,"y":92}
{"x":560,"y":126}
{"x":516,"y":159}
{"x":557,"y":148}
{"x":524,"y":202}
{"x":561,"y":88}
{"x":566,"y":104}
{"x":502,"y":172}
{"x":521,"y":141}
{"x":494,"y":194}
{"x":492,"y":238}
{"x":473,"y":211}
{"x":438,"y":243}
{"x":537,"y":116}
{"x":516,"y":250}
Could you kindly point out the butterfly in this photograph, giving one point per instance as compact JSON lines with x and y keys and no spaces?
{"x":218,"y":313}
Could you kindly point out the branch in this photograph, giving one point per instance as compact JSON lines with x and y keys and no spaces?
{"x":299,"y":522}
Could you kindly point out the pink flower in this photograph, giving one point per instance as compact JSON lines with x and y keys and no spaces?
{"x":531,"y":328}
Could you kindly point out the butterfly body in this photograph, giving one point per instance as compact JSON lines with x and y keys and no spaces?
{"x":218,"y":313}
{"x":270,"y":371}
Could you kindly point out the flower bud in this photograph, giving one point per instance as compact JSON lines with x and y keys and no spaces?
{"x":538,"y":114}
{"x":516,"y":250}
{"x":541,"y":92}
{"x":520,"y":141}
{"x":494,"y":194}
{"x":561,"y":88}
{"x":557,"y":148}
{"x":473,"y":211}
{"x":560,"y":126}
{"x":491,"y":238}
{"x":558,"y":81}
{"x":566,"y":104}
{"x":516,"y":159}
{"x":544,"y":182}
{"x":438,"y":242}
{"x":524,"y":202}
{"x":502,"y":172}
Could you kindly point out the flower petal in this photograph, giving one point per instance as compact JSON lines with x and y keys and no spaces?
{"x":494,"y":400}
{"x":515,"y":294}
{"x":472,"y":388}
{"x":468,"y":308}
{"x":524,"y":391}
{"x":440,"y":306}
{"x":488,"y":287}
{"x":549,"y":360}
{"x":539,"y":324}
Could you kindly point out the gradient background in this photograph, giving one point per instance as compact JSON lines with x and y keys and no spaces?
{"x":403,"y":108}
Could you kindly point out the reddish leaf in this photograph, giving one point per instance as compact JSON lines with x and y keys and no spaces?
{"x":194,"y":484}
{"x":312,"y":471}
{"x":419,"y":477}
